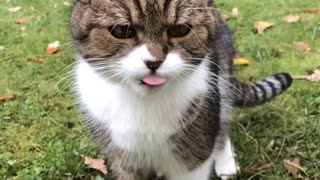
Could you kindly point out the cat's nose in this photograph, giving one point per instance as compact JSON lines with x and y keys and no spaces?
{"x":152,"y":65}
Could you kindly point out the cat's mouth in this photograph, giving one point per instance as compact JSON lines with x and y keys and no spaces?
{"x":153,"y":81}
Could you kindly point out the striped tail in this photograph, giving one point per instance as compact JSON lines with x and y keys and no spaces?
{"x":249,"y":95}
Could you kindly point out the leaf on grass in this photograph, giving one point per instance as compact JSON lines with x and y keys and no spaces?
{"x":36,"y":60}
{"x":235,"y":12}
{"x":2,"y":48}
{"x":6,"y":97}
{"x":259,"y":169}
{"x":20,"y":21}
{"x":314,"y":77}
{"x":53,"y":47}
{"x":241,"y":62}
{"x":225,"y":17}
{"x":302,"y":47}
{"x":262,"y":26}
{"x":65,"y":3}
{"x":23,"y":28}
{"x":97,"y":164}
{"x":292,"y":18}
{"x":37,"y":147}
{"x":294,"y":167}
{"x":312,"y":11}
{"x":15,"y":9}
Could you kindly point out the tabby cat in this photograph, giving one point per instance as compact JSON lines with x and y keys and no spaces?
{"x":154,"y":78}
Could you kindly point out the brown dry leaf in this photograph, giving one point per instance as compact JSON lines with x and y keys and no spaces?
{"x":97,"y":164}
{"x":53,"y":47}
{"x":37,"y":60}
{"x":15,"y":9}
{"x":261,"y":26}
{"x":312,"y":11}
{"x":6,"y":97}
{"x":294,"y":167}
{"x":225,"y":17}
{"x":37,"y":147}
{"x":259,"y":169}
{"x":292,"y":18}
{"x":314,"y":77}
{"x":235,"y":12}
{"x":302,"y":47}
{"x":20,"y":21}
{"x":2,"y":48}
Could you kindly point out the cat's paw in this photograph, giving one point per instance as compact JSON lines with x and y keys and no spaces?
{"x":226,"y":168}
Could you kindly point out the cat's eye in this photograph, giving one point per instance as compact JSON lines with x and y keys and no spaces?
{"x":179,"y":30}
{"x":122,"y":32}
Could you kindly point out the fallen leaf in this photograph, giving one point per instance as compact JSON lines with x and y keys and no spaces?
{"x":37,"y":60}
{"x":37,"y":147}
{"x":292,"y":18}
{"x":2,"y":48}
{"x":53,"y":47}
{"x":225,"y":17}
{"x":65,"y":3}
{"x":314,"y":77}
{"x":15,"y":9}
{"x":302,"y":47}
{"x":6,"y":97}
{"x":259,"y":169}
{"x":294,"y":167}
{"x":23,"y":28}
{"x":235,"y":12}
{"x":261,"y":26}
{"x":241,"y":62}
{"x":97,"y":164}
{"x":20,"y":21}
{"x":312,"y":11}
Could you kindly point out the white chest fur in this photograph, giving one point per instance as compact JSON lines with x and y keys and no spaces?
{"x":138,"y":123}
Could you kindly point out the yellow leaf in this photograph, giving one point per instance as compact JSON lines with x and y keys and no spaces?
{"x":261,"y":26}
{"x":241,"y":62}
{"x":15,"y":9}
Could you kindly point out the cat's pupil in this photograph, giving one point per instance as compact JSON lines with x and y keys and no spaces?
{"x":122,"y":32}
{"x":179,"y":31}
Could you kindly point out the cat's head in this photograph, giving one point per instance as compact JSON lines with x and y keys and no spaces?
{"x":144,"y":43}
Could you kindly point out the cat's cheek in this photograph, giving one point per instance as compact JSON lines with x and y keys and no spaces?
{"x":172,"y":66}
{"x":132,"y":65}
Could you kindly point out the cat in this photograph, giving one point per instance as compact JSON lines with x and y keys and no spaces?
{"x":154,"y":79}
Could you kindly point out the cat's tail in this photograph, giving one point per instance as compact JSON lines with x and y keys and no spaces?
{"x":249,"y":95}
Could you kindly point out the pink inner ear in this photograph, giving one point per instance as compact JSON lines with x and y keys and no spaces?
{"x":154,"y":80}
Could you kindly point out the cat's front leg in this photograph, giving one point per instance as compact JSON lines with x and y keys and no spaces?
{"x":225,"y":164}
{"x":201,"y":173}
{"x":123,"y":167}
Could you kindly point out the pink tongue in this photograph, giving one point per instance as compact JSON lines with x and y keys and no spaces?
{"x":154,"y":80}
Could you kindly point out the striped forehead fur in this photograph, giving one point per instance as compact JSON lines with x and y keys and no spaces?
{"x":90,"y":22}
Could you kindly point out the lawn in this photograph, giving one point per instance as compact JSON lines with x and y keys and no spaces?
{"x":41,"y":131}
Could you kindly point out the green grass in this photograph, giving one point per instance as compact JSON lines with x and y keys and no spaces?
{"x":43,"y":110}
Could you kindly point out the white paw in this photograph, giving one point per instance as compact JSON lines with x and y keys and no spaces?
{"x":226,"y":168}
